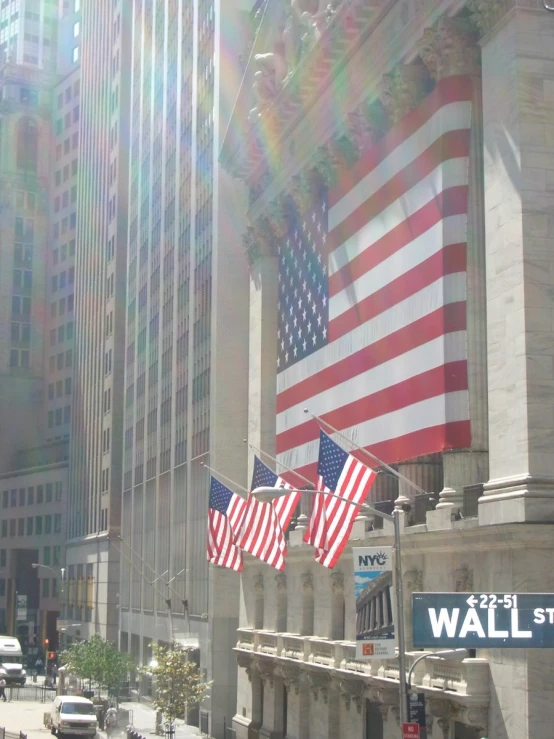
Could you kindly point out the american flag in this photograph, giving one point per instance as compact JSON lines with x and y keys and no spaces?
{"x":265,"y":524}
{"x":332,"y":520}
{"x":372,"y":296}
{"x":225,"y":516}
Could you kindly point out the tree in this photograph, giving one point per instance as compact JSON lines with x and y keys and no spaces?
{"x":99,"y":661}
{"x":179,"y":684}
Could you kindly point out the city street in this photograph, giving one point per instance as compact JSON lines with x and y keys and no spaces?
{"x":28,"y":717}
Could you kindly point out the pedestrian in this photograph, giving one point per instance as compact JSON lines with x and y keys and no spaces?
{"x":3,"y":689}
{"x":111,"y":721}
{"x":54,"y":673}
{"x":38,"y":665}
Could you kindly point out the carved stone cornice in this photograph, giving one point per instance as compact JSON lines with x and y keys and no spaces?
{"x":463,"y":580}
{"x":403,"y":89}
{"x":246,"y":662}
{"x":307,"y":580}
{"x":291,"y":676}
{"x":259,"y":241}
{"x":281,"y":581}
{"x":450,"y":48}
{"x":441,"y":708}
{"x":385,"y":696}
{"x":319,"y":683}
{"x":352,"y":691}
{"x":337,"y":582}
{"x":259,"y":585}
{"x":476,"y":716}
{"x":266,"y":668}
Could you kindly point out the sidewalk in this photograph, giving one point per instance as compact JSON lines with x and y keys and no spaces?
{"x":144,"y":721}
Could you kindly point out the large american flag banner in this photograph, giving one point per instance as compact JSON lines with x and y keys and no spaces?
{"x":372,"y":296}
{"x":332,"y":519}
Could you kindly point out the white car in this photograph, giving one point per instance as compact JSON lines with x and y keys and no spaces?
{"x":73,"y":716}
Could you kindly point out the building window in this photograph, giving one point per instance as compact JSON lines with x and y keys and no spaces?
{"x":27,"y":144}
{"x":48,"y":524}
{"x":13,"y":498}
{"x":4,"y":527}
{"x":12,"y":527}
{"x":57,"y":523}
{"x":49,"y":492}
{"x":5,"y":498}
{"x":40,"y":494}
{"x":21,"y":527}
{"x":2,"y":587}
{"x":56,"y":555}
{"x":3,"y":557}
{"x":46,"y":556}
{"x":30,"y":522}
{"x":30,"y":496}
{"x":59,"y":488}
{"x":38,"y":525}
{"x":46,"y":588}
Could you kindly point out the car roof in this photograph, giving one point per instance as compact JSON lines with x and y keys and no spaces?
{"x":74,"y":699}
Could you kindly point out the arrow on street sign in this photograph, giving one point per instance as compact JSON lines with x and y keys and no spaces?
{"x":471,"y":601}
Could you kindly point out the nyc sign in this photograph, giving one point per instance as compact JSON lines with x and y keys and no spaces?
{"x":481,"y":620}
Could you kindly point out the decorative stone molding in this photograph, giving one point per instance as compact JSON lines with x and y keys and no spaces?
{"x":385,"y":696}
{"x":486,"y":13}
{"x":266,"y":668}
{"x":363,"y":130}
{"x":403,"y":89}
{"x":259,"y":585}
{"x":259,"y":241}
{"x":477,"y":717}
{"x":303,"y":190}
{"x":450,"y":48}
{"x":352,"y":690}
{"x":281,"y":581}
{"x":290,"y":675}
{"x":463,"y":580}
{"x":307,"y":580}
{"x":324,"y":166}
{"x":319,"y":683}
{"x":441,"y":708}
{"x":246,"y":662}
{"x":277,"y":217}
{"x":337,"y":582}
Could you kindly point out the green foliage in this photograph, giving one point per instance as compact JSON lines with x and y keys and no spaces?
{"x":178,"y":682}
{"x":98,"y":660}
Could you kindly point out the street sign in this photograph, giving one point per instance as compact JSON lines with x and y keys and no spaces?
{"x":483,"y":620}
{"x":375,"y":637}
{"x":416,"y":708}
{"x":410,"y":731}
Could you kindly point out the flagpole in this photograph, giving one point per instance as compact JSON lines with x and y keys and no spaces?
{"x":367,"y":453}
{"x":276,"y":461}
{"x":226,"y":479}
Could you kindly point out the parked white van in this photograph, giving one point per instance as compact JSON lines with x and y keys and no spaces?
{"x":72,"y":715}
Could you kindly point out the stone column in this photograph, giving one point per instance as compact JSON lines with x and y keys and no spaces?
{"x":351,"y":709}
{"x":518,"y":114}
{"x":307,"y":617}
{"x":272,"y":726}
{"x":261,"y":249}
{"x":450,"y":48}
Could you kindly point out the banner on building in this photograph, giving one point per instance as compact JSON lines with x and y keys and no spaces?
{"x":373,"y":591}
{"x":21,"y":610}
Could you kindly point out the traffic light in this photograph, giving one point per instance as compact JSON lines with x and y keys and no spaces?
{"x":51,"y":655}
{"x":46,"y":642}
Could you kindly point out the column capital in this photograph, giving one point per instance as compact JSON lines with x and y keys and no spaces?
{"x":281,"y":581}
{"x":463,"y":580}
{"x":319,"y":683}
{"x":259,"y":241}
{"x":307,"y":580}
{"x":403,"y":89}
{"x":259,"y":584}
{"x":337,"y":581}
{"x":450,"y":48}
{"x":290,"y":675}
{"x":352,"y":690}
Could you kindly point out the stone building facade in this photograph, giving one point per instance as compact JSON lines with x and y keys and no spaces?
{"x":304,"y":109}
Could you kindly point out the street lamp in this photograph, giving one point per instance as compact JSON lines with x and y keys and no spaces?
{"x":60,"y":575}
{"x":267,"y":494}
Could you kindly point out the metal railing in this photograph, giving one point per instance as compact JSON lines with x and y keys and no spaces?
{"x":11,"y":734}
{"x":204,"y":723}
{"x":35,"y":693}
{"x":228,"y":731}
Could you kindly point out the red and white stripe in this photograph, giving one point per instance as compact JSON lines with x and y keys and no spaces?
{"x":223,"y":532}
{"x":332,"y":519}
{"x":264,"y":526}
{"x":393,"y":376}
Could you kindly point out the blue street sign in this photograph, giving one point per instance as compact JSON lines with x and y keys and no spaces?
{"x":481,"y":620}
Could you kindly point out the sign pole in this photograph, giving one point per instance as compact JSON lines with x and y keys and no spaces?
{"x":400,"y":619}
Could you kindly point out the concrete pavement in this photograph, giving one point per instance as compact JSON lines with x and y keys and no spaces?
{"x":28,"y":716}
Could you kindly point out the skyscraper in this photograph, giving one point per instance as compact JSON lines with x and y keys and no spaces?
{"x":186,"y":328}
{"x":97,"y":432}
